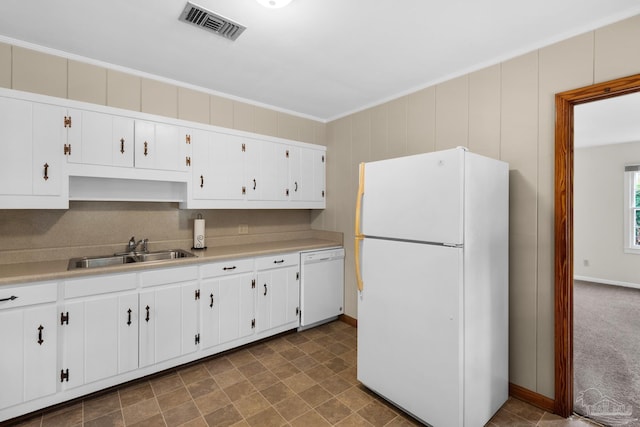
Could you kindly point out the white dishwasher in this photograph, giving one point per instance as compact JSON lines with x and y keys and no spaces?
{"x":321,"y":286}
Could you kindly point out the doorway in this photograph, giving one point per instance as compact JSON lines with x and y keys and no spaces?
{"x":563,"y":227}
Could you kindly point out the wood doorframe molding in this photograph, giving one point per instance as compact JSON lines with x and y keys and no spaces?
{"x":565,"y":101}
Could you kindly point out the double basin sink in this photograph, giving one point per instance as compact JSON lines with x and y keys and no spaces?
{"x":127,"y":258}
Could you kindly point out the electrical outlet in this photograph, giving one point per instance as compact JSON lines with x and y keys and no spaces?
{"x":243,"y":229}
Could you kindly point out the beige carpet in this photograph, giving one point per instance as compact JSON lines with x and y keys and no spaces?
{"x":606,"y":348}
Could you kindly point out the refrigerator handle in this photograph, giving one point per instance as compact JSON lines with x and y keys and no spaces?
{"x":358,"y":233}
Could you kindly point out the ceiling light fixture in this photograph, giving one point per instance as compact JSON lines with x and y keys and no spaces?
{"x":274,"y":4}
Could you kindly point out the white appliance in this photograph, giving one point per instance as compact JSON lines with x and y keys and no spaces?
{"x":432,"y":270}
{"x":321,"y":286}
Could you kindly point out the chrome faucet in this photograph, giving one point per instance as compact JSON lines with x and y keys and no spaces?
{"x":133,"y":245}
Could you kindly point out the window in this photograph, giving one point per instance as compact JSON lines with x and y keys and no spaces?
{"x":632,"y":209}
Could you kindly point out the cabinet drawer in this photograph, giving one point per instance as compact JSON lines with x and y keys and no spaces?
{"x":96,"y":285}
{"x":164,"y":276}
{"x":225,"y":268}
{"x":28,"y":294}
{"x":277,"y":261}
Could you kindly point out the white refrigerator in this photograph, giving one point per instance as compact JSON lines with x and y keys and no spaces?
{"x":432,"y":270}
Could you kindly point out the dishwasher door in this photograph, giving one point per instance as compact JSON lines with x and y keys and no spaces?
{"x":321,"y":286}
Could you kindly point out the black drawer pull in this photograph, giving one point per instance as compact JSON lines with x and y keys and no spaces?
{"x":129,"y":317}
{"x":211,"y":305}
{"x":11,"y":298}
{"x":40,"y":340}
{"x":229,"y":268}
{"x":278,"y":262}
{"x":265,"y":289}
{"x":147,"y":317}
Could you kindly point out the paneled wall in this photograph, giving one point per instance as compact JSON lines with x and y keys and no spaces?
{"x":505,"y":111}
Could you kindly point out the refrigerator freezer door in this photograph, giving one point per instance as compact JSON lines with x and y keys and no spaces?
{"x":409,"y":328}
{"x":415,"y":197}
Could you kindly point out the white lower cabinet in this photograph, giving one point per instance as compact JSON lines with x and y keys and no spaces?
{"x":80,"y":335}
{"x":99,"y":328}
{"x":29,"y":343}
{"x":168,"y":314}
{"x":227,"y":301}
{"x":278,"y":291}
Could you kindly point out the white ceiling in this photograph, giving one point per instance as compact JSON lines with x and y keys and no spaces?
{"x":321,"y":59}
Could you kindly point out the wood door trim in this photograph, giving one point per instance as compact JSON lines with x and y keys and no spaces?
{"x":565,"y":101}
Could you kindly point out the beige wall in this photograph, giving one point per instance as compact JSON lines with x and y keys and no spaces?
{"x":505,"y":111}
{"x":598,"y":220}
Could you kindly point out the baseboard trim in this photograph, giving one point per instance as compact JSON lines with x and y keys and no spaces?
{"x":531,"y":397}
{"x":607,"y":281}
{"x":351,"y":321}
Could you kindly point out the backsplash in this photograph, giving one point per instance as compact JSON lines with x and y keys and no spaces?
{"x":106,"y":224}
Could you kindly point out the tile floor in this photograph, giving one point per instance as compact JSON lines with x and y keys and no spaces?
{"x":297,"y":379}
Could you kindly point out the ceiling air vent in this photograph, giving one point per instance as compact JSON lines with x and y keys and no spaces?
{"x":203,"y":18}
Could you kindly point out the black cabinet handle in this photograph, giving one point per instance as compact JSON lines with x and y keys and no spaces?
{"x":278,"y":261}
{"x":40,"y":340}
{"x":254,"y":184}
{"x":201,"y":181}
{"x":211,"y":305}
{"x":129,"y":317}
{"x":229,"y":268}
{"x":265,"y":289}
{"x":11,"y":298}
{"x":296,"y":186}
{"x":147,"y":318}
{"x":122,"y":145}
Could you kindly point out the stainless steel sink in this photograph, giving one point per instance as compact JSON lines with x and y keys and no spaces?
{"x":127,"y":258}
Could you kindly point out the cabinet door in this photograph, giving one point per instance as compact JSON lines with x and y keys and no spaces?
{"x":267,"y":170}
{"x":16,"y":135}
{"x":237,"y":307}
{"x":302,"y":177}
{"x":12,"y":358}
{"x":122,"y":141}
{"x":159,"y":146}
{"x":49,"y":137}
{"x":28,"y":361}
{"x":225,"y":175}
{"x":319,"y":167}
{"x":168,"y":322}
{"x":210,"y":312}
{"x":100,"y":338}
{"x":277,"y":298}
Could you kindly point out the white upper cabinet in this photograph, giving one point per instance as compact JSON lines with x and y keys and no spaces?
{"x":218,"y":166}
{"x":100,"y":139}
{"x":160,"y":146}
{"x":306,"y":174}
{"x":32,"y":141}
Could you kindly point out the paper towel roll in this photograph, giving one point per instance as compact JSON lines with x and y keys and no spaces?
{"x":198,"y":234}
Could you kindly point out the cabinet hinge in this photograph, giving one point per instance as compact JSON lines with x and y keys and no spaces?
{"x":286,"y":192}
{"x":244,"y":147}
{"x":298,"y":275}
{"x":287,"y":154}
{"x":322,"y":193}
{"x":197,"y":294}
{"x":197,"y":340}
{"x":188,"y":161}
{"x":187,"y":139}
{"x":67,"y":121}
{"x":297,"y":311}
{"x":253,"y":284}
{"x":64,"y":318}
{"x":322,"y":158}
{"x":67,"y":149}
{"x":253,"y":323}
{"x":244,"y":190}
{"x":64,"y":375}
